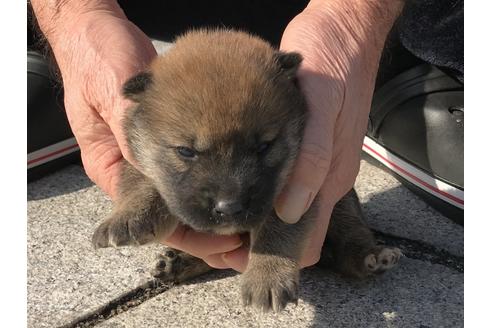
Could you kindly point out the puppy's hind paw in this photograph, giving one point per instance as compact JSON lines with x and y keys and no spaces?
{"x":382,"y":259}
{"x":177,"y":266}
{"x":167,"y":267}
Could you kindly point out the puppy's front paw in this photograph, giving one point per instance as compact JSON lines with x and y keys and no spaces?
{"x":271,"y":288}
{"x":123,"y":231}
{"x":382,"y":259}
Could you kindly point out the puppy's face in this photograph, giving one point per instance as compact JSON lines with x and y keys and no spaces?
{"x":217,"y":128}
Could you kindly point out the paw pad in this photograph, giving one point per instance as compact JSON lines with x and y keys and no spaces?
{"x":382,"y":259}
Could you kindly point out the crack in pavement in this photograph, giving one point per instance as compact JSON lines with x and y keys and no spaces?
{"x":419,"y":250}
{"x":411,"y":248}
{"x":120,"y":304}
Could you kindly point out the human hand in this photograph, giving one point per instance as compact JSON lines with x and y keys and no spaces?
{"x":337,"y":76}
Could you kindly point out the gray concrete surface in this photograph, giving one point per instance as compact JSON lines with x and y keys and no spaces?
{"x":67,"y":279}
{"x":66,"y":276}
{"x":417,"y":294}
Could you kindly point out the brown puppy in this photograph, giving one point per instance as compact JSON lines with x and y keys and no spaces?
{"x":215,"y":133}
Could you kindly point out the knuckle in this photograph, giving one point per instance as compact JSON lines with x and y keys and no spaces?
{"x":88,"y":165}
{"x":215,"y":261}
{"x":315,"y":155}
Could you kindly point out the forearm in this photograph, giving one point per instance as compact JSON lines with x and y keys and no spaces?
{"x":357,"y":29}
{"x":76,"y":32}
{"x":368,"y":19}
{"x":56,"y":17}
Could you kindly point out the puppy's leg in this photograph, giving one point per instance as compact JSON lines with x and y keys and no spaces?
{"x":140,"y":215}
{"x":177,"y":266}
{"x":271,"y":279}
{"x":351,"y":243}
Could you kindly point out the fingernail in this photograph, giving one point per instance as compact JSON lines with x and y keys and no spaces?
{"x":293,"y":203}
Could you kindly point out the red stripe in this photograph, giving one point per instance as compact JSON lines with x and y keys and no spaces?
{"x":445,"y":194}
{"x":52,"y":154}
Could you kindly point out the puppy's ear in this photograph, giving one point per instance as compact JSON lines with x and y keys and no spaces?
{"x":133,"y":88}
{"x":289,"y":62}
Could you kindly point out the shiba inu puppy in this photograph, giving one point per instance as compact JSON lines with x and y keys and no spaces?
{"x":216,"y":130}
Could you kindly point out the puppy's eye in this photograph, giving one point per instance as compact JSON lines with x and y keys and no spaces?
{"x":263,"y":148}
{"x":186,"y":152}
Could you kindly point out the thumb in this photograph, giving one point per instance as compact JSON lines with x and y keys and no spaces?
{"x":314,"y":158}
{"x":310,"y":170}
{"x":312,"y":164}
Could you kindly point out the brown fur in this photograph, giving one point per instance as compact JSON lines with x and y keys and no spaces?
{"x":232,"y":102}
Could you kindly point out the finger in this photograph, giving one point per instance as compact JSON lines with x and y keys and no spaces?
{"x":345,"y":163}
{"x":100,"y":153}
{"x":314,"y":158}
{"x":216,"y":261}
{"x":237,"y":259}
{"x":340,"y":179}
{"x":117,"y":127}
{"x":332,"y":190}
{"x":114,"y":109}
{"x":102,"y":161}
{"x":201,"y":244}
{"x":312,"y":252}
{"x":133,"y":57}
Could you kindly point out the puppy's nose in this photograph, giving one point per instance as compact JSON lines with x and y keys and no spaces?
{"x":228,"y":207}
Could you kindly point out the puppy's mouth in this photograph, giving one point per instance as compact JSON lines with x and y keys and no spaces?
{"x":226,"y":229}
{"x":224,"y":225}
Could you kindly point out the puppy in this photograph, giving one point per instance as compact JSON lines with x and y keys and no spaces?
{"x":215,"y":133}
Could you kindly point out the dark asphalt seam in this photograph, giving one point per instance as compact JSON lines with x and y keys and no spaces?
{"x":121,"y":304}
{"x":422,"y":251}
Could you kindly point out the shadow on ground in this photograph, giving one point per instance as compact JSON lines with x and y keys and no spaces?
{"x":418,"y":292}
{"x":68,"y":180}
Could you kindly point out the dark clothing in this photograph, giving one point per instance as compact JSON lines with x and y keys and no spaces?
{"x":433,"y":30}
